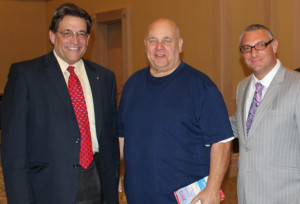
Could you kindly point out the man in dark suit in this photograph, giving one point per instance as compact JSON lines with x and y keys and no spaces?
{"x":55,"y":147}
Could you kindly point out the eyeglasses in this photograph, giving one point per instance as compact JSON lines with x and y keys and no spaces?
{"x":258,"y":46}
{"x":70,"y":34}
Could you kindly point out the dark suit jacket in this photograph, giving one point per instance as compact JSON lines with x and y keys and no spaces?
{"x":40,"y":135}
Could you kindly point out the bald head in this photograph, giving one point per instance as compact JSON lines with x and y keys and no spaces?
{"x":164,"y":22}
{"x":163,"y":47}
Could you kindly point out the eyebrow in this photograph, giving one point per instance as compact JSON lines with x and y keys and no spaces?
{"x":67,"y":29}
{"x":254,"y":44}
{"x":158,"y":38}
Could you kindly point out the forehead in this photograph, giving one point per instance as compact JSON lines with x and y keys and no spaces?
{"x":72,"y":23}
{"x":162,"y":29}
{"x":255,"y":36}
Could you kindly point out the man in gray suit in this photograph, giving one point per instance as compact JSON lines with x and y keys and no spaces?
{"x":267,"y":123}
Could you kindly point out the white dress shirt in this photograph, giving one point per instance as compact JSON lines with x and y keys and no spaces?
{"x":83,"y":78}
{"x":266,"y":81}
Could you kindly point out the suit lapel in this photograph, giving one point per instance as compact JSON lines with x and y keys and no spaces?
{"x":97,"y":83}
{"x":57,"y":80}
{"x":244,"y":112}
{"x":268,"y":99}
{"x":244,"y":93}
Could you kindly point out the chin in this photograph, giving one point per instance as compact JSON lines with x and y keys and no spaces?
{"x":71,"y":62}
{"x":74,"y":59}
{"x":255,"y":67}
{"x":160,"y":66}
{"x":160,"y":63}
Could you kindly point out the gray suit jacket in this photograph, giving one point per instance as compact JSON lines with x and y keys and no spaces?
{"x":269,"y":157}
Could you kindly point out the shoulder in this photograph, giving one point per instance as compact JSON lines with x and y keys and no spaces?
{"x":291,"y":74}
{"x":31,"y":67}
{"x":135,"y":81}
{"x":244,"y":83}
{"x":140,"y":73}
{"x":291,"y":80}
{"x":98,"y":67}
{"x":137,"y":76}
{"x":287,"y":78}
{"x":27,"y":64}
{"x":192,"y":75}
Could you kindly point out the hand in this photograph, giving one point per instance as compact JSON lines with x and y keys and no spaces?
{"x":120,"y":188}
{"x":207,"y":197}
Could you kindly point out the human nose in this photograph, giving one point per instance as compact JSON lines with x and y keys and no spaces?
{"x":253,"y":52}
{"x":159,"y":45}
{"x":74,"y":38}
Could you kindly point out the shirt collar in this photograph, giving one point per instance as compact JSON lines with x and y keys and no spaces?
{"x":266,"y":81}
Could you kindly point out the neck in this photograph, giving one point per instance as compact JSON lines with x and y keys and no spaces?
{"x":161,"y":73}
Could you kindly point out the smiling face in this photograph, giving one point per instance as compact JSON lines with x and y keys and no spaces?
{"x":163,"y":47}
{"x":263,"y":61}
{"x":70,"y":49}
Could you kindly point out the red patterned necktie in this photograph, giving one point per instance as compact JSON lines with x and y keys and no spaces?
{"x":79,"y":105}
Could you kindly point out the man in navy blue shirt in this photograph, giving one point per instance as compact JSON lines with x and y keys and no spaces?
{"x":173,"y":125}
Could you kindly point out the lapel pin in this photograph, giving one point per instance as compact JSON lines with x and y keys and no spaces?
{"x":97,"y":78}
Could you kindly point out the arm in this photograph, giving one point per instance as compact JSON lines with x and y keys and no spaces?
{"x":233,"y":120}
{"x":14,"y":150}
{"x":297,"y":111}
{"x":115,"y":126}
{"x":234,"y":125}
{"x":219,"y":161}
{"x":120,"y":133}
{"x":121,"y":144}
{"x":115,"y":132}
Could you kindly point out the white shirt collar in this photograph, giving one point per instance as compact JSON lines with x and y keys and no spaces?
{"x":266,"y":81}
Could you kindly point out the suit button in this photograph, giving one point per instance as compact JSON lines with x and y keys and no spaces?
{"x":77,"y":140}
{"x":75,"y":165}
{"x":246,"y":149}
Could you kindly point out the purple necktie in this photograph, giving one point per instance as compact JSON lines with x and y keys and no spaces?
{"x":257,"y":98}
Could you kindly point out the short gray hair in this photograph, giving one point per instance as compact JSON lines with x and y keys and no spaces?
{"x":254,"y":27}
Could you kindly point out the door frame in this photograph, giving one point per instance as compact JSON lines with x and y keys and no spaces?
{"x":100,"y":49}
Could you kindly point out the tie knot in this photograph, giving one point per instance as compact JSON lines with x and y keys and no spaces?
{"x":259,"y":87}
{"x":71,"y":69}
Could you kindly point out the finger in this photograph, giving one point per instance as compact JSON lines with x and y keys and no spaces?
{"x":120,"y":188}
{"x":196,"y":199}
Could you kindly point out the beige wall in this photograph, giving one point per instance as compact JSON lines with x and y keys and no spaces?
{"x":144,"y":12}
{"x":210,"y":30}
{"x":23,"y":33}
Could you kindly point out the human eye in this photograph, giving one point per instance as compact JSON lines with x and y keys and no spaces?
{"x":82,"y":34}
{"x":167,"y":41}
{"x":246,"y":48}
{"x":152,"y":40}
{"x":260,"y":45}
{"x":67,"y":33}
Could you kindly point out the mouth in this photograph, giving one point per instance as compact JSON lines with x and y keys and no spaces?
{"x":255,"y":61}
{"x":73,"y":48}
{"x":159,"y":55}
